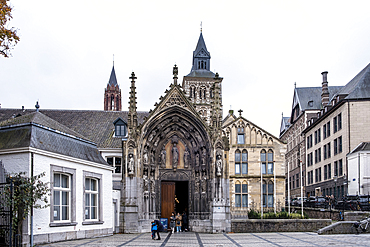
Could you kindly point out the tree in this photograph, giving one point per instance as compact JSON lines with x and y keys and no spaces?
{"x":8,"y":36}
{"x":27,"y":192}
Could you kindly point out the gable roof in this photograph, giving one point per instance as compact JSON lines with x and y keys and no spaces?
{"x":304,"y":95}
{"x":358,"y":87}
{"x":363,"y":146}
{"x":174,"y":97}
{"x":246,"y":120}
{"x":285,"y":124}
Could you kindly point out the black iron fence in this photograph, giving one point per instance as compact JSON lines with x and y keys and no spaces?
{"x":6,"y":214}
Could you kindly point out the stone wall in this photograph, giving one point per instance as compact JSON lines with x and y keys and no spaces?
{"x":278,"y":225}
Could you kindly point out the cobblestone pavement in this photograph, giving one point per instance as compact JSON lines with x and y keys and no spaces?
{"x":222,"y":240}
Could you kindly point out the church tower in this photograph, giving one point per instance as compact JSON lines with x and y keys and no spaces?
{"x":112,"y":94}
{"x":198,"y":85}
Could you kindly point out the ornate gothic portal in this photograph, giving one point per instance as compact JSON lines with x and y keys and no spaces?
{"x":176,"y":157}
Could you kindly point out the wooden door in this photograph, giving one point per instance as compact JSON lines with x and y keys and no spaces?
{"x":167,"y":199}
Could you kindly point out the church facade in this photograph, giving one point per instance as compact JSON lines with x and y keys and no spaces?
{"x":182,"y":156}
{"x":178,"y":152}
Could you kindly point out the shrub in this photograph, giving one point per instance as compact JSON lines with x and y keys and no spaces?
{"x":254,"y":215}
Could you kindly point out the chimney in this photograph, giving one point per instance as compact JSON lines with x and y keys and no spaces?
{"x":325,"y":89}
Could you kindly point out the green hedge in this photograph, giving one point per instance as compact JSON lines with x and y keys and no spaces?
{"x":280,"y":215}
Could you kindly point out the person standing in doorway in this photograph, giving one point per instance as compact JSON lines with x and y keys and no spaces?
{"x":184,"y":222}
{"x":172,"y":222}
{"x":178,"y":222}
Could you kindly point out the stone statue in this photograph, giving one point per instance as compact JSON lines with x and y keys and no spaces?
{"x":152,"y":185}
{"x":218,"y":164}
{"x":197,"y":159}
{"x":151,"y":158}
{"x":145,"y":181}
{"x":186,"y":158}
{"x":131,"y":164}
{"x":163,"y":158}
{"x":204,"y":156}
{"x":151,"y":135}
{"x":204,"y":184}
{"x":175,"y":156}
{"x":145,"y":159}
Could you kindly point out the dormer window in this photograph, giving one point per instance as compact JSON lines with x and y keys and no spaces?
{"x":120,"y":127}
{"x":310,"y":103}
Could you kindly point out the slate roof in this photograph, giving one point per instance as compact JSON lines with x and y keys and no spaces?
{"x":41,"y":119}
{"x":285,"y":124}
{"x":307,"y":94}
{"x":200,"y":45}
{"x":201,"y":73}
{"x":96,"y":126}
{"x":358,"y":87}
{"x":112,"y":78}
{"x":363,"y":146}
{"x":39,"y":131}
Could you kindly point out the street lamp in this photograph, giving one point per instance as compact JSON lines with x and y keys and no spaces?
{"x":335,"y":186}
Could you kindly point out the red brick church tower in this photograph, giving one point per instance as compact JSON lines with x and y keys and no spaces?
{"x":112,"y":95}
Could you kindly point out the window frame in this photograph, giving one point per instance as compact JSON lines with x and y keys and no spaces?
{"x":98,"y":177}
{"x":54,"y":169}
{"x":241,"y":194}
{"x":114,"y":163}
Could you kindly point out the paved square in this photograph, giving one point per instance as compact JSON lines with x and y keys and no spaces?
{"x":192,"y":239}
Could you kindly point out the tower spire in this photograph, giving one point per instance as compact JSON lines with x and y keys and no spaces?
{"x":200,"y":27}
{"x":112,"y":94}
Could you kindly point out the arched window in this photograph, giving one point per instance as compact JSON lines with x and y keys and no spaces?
{"x":200,"y":93}
{"x":270,"y":160}
{"x":268,"y":194}
{"x":244,"y":162}
{"x":263,"y":161}
{"x":238,"y":191}
{"x":240,"y":135}
{"x":191,"y":92}
{"x":112,"y":102}
{"x":237,"y":161}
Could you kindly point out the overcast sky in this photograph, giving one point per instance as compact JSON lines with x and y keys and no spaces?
{"x":260,"y":48}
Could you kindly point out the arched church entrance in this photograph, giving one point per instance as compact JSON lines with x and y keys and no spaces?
{"x":176,"y":154}
{"x":174,"y":198}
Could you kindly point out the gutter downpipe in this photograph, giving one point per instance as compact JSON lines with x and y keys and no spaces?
{"x":301,"y":172}
{"x":32,"y":200}
{"x":359,"y":173}
{"x":288,"y":190}
{"x":349,"y":139}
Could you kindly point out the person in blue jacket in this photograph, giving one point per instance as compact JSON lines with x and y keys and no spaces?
{"x":154,"y":229}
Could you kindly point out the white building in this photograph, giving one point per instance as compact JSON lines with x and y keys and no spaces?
{"x":359,"y":170}
{"x":80,"y":179}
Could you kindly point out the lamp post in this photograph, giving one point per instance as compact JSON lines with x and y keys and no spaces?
{"x":335,"y":186}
